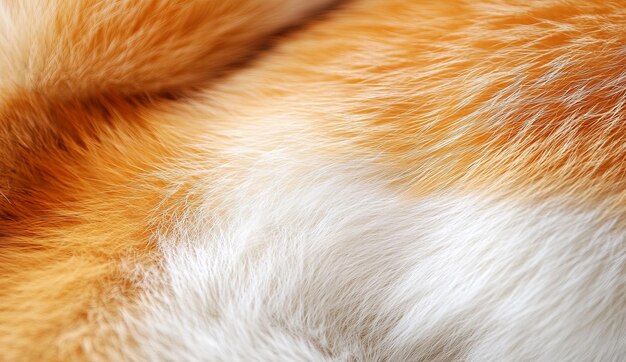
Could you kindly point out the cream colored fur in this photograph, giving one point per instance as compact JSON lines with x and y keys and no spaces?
{"x":335,"y":267}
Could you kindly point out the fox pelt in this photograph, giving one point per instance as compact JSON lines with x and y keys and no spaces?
{"x":312,"y":180}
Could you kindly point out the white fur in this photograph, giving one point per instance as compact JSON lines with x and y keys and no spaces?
{"x":312,"y":261}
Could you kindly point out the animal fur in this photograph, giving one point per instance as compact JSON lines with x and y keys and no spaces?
{"x":273,"y":180}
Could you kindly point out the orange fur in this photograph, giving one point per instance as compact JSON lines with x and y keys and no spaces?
{"x":80,"y":140}
{"x":100,"y":121}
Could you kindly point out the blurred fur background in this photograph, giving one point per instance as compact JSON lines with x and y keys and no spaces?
{"x":368,"y":180}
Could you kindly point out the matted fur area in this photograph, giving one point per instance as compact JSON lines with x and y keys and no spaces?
{"x":310,"y":180}
{"x":308,"y":261}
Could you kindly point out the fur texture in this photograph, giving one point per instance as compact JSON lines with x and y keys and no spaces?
{"x":392,"y":180}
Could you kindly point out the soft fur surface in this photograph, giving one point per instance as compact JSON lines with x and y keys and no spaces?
{"x":278,"y":180}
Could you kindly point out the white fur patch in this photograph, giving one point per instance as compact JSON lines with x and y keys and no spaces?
{"x":326,"y":263}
